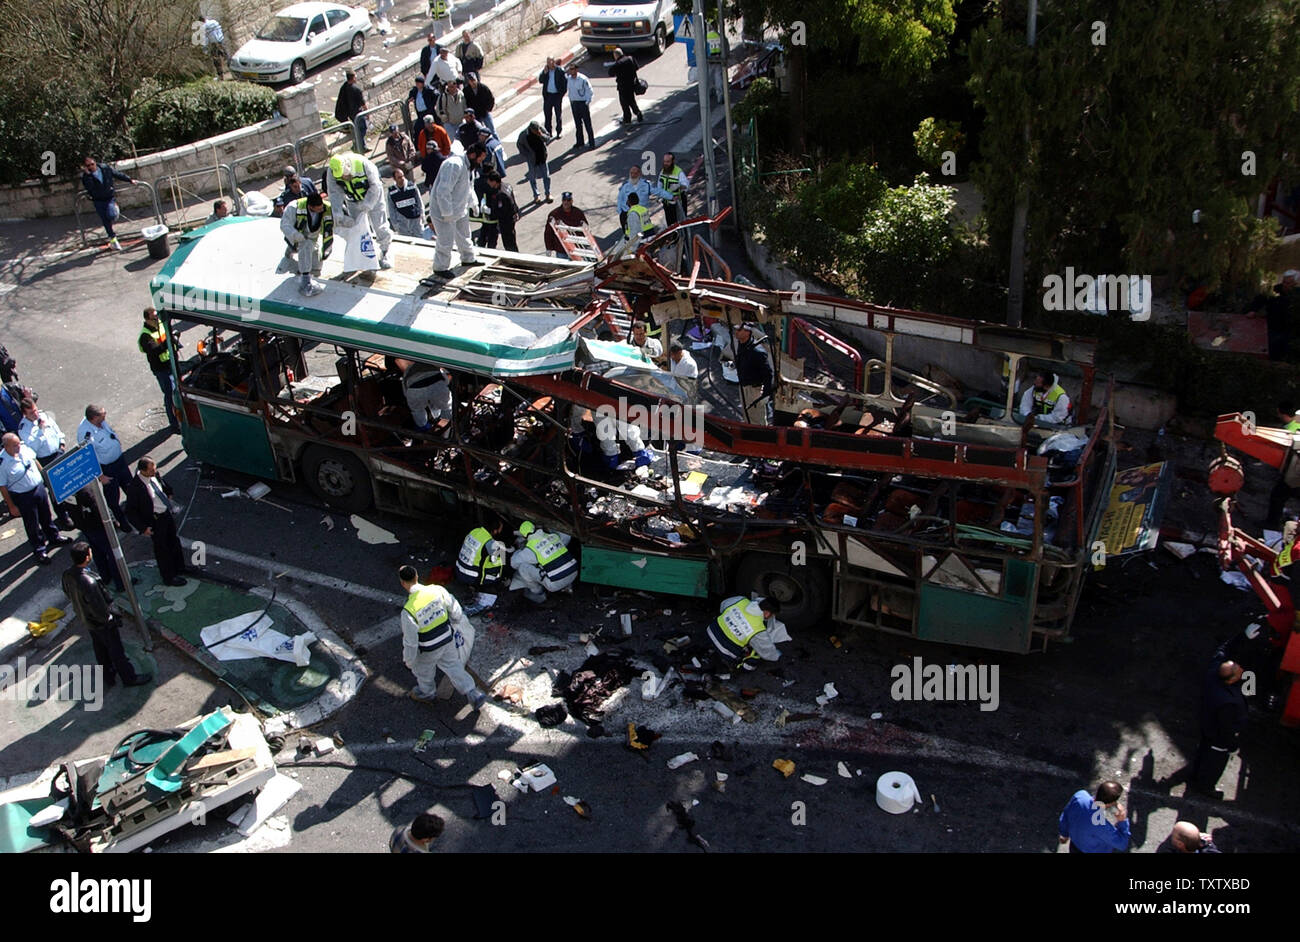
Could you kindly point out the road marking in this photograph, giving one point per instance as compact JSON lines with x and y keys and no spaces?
{"x":376,"y":634}
{"x":524,"y":105}
{"x":304,"y":575}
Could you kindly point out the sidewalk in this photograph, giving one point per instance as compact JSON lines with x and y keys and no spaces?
{"x":56,"y":707}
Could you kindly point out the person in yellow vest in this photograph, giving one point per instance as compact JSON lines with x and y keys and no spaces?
{"x":1282,"y":492}
{"x":1047,"y":400}
{"x":541,"y":562}
{"x":674,"y":181}
{"x":481,"y":564}
{"x":308,"y":227}
{"x":639,"y":222}
{"x":440,"y":8}
{"x":432,"y":620}
{"x":153,"y":344}
{"x":1289,"y":416}
{"x":746,"y":629}
{"x":355,"y":191}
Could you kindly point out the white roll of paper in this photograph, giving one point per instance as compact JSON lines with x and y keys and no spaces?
{"x":896,"y":792}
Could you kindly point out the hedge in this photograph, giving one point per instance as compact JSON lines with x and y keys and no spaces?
{"x":198,"y":110}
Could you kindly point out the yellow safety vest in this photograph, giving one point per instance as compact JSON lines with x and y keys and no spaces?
{"x":641,"y":213}
{"x":158,"y":336}
{"x":1292,"y":426}
{"x":736,"y":628}
{"x":1047,"y":400}
{"x":357,"y":185}
{"x":1283,"y":559}
{"x":714,"y":42}
{"x":476,"y":565}
{"x":427,"y":605}
{"x":437,"y":9}
{"x":301,"y":222}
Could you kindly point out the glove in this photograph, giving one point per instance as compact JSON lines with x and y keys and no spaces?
{"x":644,"y":458}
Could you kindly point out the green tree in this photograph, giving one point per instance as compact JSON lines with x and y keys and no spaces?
{"x":1138,"y":114}
{"x":900,"y":38}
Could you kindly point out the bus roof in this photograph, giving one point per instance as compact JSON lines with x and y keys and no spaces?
{"x":235,"y":271}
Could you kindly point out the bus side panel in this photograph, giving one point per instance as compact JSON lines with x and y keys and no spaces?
{"x":645,"y":571}
{"x":236,"y":440}
{"x":953,"y":616}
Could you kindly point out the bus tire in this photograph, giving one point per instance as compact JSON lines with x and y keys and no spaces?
{"x":338,"y":478}
{"x":803,"y":591}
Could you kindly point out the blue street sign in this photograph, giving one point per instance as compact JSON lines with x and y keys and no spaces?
{"x":72,"y":472}
{"x":682,"y":28}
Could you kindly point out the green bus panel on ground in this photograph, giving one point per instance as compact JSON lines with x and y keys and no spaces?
{"x":954,"y":616}
{"x":645,"y":571}
{"x":234,"y":440}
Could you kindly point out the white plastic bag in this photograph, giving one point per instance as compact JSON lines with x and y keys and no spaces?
{"x":359,"y":250}
{"x":256,"y":640}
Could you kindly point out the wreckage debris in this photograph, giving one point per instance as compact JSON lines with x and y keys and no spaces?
{"x":551,"y":716}
{"x":594,"y":682}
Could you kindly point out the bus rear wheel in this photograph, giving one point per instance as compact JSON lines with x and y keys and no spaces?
{"x":803,"y":591}
{"x":338,"y":478}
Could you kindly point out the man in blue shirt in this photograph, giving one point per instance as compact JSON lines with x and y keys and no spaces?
{"x":1085,"y":824}
{"x":98,"y":180}
{"x":24,"y":492}
{"x":108,"y":449}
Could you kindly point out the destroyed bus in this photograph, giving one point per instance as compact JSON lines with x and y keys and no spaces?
{"x":886,"y":499}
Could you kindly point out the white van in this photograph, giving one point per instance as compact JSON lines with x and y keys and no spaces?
{"x":608,"y":23}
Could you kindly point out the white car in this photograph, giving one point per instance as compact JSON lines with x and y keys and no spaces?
{"x":299,"y":37}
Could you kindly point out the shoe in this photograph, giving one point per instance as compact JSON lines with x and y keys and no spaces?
{"x":41,"y":557}
{"x":640,"y":119}
{"x":140,"y":680}
{"x":114,"y":244}
{"x":478,"y":700}
{"x":748,"y":666}
{"x":178,"y":581}
{"x":311,"y":288}
{"x":444,"y":273}
{"x":414,"y":694}
{"x":472,"y":263}
{"x":548,"y":199}
{"x":61,"y":540}
{"x":384,"y":263}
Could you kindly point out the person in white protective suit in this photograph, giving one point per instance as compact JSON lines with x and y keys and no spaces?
{"x":355,"y":191}
{"x":431,"y":618}
{"x":308,"y":227}
{"x":541,"y":562}
{"x":428,"y":394}
{"x":449,"y":206}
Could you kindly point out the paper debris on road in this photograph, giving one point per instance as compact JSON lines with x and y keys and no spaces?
{"x":844,"y":771}
{"x":676,"y":762}
{"x":813,"y":779}
{"x":368,"y":532}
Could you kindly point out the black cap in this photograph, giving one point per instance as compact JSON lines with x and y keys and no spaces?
{"x":419,"y":78}
{"x":471,"y":75}
{"x":470,"y":112}
{"x":566,"y":195}
{"x":290,"y":172}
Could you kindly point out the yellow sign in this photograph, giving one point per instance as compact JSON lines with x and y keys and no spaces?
{"x":1132,"y":519}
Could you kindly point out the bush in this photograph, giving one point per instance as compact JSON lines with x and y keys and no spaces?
{"x":63,"y":120}
{"x":934,"y":137}
{"x":197,"y":110}
{"x":904,"y":241}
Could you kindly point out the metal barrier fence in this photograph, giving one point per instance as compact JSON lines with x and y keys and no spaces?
{"x":181,"y":191}
{"x":288,"y":153}
{"x":83,"y":196}
{"x":344,"y":134}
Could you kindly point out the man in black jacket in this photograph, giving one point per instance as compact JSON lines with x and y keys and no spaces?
{"x":149,"y":509}
{"x":532,"y":147}
{"x":503,"y":210}
{"x":423,"y":101}
{"x":98,"y":180}
{"x":85,"y":514}
{"x":428,"y":53}
{"x":352,"y":101}
{"x":554,"y":87}
{"x":623,"y":71}
{"x":479,"y":97}
{"x":153,"y":344}
{"x":755,"y":375}
{"x":94,"y":606}
{"x":1224,"y":716}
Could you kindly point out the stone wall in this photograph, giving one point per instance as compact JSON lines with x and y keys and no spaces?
{"x":299,"y":115}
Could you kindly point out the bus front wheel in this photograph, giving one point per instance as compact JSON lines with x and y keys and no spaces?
{"x":338,"y":478}
{"x":803,"y":591}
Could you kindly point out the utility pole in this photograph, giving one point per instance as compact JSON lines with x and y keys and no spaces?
{"x":726,"y":114}
{"x":1016,"y":278}
{"x":702,"y":70}
{"x":119,"y":559}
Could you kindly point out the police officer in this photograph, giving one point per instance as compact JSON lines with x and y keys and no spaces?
{"x":673,"y":180}
{"x":353,"y":186}
{"x":94,"y":428}
{"x":42,"y":435}
{"x":308,"y":227}
{"x":153,"y":344}
{"x":747,"y":629}
{"x":431,"y":618}
{"x":541,"y":562}
{"x":406,"y":207}
{"x":639,"y":222}
{"x":481,"y":564}
{"x":24,"y":492}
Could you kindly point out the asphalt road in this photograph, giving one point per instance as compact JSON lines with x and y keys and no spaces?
{"x":1118,"y":702}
